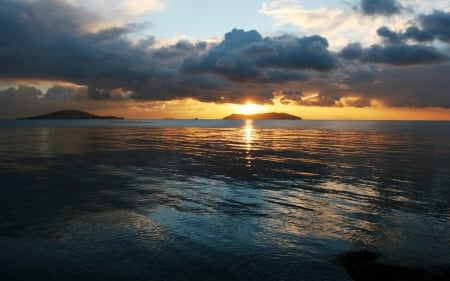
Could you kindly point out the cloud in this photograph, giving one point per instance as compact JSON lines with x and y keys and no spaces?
{"x":55,"y":45}
{"x":417,"y":34}
{"x":413,"y":33}
{"x":399,"y":54}
{"x":352,"y":51}
{"x":339,"y":24}
{"x":402,"y":54}
{"x":26,"y":100}
{"x":59,"y":47}
{"x":293,"y":12}
{"x":37,"y":43}
{"x":380,"y":7}
{"x":137,"y":7}
{"x":428,"y":28}
{"x":438,"y":24}
{"x":179,"y":49}
{"x":389,"y":36}
{"x":398,"y":49}
{"x":246,"y":56}
{"x":413,"y":86}
{"x":116,"y":12}
{"x":290,"y":96}
{"x":281,"y":76}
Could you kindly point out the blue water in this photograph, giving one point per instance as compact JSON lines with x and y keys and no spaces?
{"x":219,"y":200}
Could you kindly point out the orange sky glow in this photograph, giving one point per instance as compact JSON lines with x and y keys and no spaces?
{"x":190,"y":109}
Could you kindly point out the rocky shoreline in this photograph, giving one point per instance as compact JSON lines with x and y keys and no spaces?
{"x":364,"y":265}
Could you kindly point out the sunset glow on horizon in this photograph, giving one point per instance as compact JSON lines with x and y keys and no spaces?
{"x":190,"y":109}
{"x":249,"y":108}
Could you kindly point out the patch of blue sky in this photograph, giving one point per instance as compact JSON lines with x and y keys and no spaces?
{"x":207,"y":19}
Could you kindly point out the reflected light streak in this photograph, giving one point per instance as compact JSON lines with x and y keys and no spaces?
{"x":248,"y":141}
{"x":248,"y":132}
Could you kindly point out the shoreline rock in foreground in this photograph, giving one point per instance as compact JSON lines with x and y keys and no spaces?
{"x":363,"y":266}
{"x":69,"y":114}
{"x":263,"y":116}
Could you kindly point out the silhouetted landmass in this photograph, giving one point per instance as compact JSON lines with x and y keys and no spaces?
{"x":363,"y":266}
{"x":264,"y":116}
{"x":70,"y":114}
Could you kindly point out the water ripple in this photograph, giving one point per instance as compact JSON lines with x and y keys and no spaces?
{"x":247,"y":201}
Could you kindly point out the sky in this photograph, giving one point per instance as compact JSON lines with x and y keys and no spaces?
{"x":349,"y":59}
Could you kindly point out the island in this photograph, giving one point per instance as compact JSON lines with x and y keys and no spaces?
{"x":263,"y":116}
{"x":69,"y":114}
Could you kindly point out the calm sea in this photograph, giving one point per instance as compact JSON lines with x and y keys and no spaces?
{"x":219,"y":200}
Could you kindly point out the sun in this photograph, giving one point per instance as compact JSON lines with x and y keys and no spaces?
{"x":249,"y":108}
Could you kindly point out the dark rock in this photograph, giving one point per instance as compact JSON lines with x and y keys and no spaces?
{"x":363,"y":266}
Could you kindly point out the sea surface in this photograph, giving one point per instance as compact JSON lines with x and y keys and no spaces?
{"x":219,"y":200}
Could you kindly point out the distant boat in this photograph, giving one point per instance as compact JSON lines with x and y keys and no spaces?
{"x":69,"y":114}
{"x":263,"y":116}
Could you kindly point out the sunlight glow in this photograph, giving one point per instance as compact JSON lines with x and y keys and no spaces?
{"x":249,"y":108}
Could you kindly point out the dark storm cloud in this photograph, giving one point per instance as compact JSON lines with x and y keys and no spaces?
{"x":380,"y":7}
{"x":27,"y":20}
{"x":389,"y":36}
{"x":438,"y":24}
{"x":402,"y":73}
{"x":413,"y":33}
{"x":280,"y":76}
{"x":290,"y":96}
{"x":180,"y":49}
{"x":48,"y":39}
{"x":26,"y":100}
{"x":17,"y":102}
{"x":398,"y":54}
{"x":352,"y":51}
{"x":246,"y":56}
{"x":397,"y":48}
{"x":413,"y":86}
{"x":402,"y":54}
{"x":430,"y":27}
{"x":417,"y":34}
{"x":99,"y":94}
{"x":60,"y":93}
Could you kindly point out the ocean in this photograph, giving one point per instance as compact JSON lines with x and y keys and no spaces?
{"x":219,"y":199}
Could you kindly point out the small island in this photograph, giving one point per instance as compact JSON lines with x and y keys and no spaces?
{"x":263,"y":116}
{"x":69,"y":114}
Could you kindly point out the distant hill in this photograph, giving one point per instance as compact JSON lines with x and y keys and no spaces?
{"x":264,"y":116}
{"x":69,"y":114}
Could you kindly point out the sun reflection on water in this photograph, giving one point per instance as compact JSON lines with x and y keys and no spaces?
{"x":249,"y":131}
